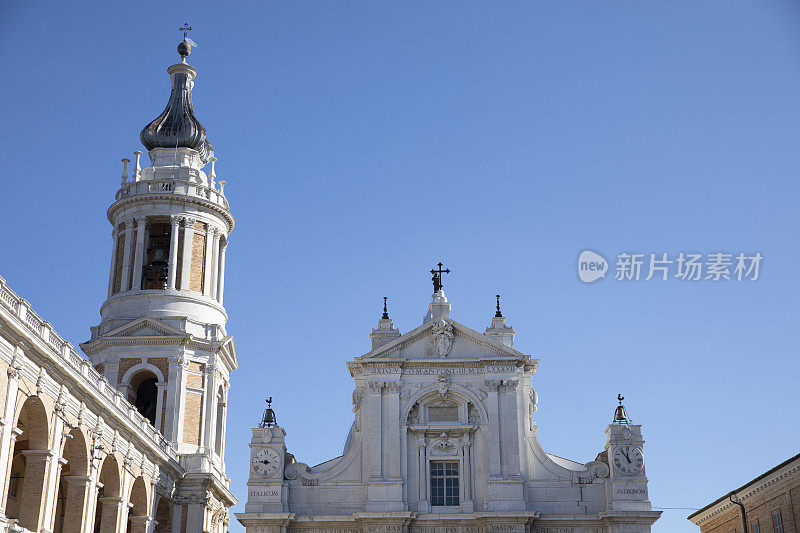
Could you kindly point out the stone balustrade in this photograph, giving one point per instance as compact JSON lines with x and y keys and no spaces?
{"x":173,"y":186}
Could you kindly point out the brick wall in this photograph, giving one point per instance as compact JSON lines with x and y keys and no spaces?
{"x":197,"y":274}
{"x":192,"y":418}
{"x":125,"y":364}
{"x":783,"y":496}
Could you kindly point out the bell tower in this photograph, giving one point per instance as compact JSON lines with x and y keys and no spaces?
{"x":162,"y":339}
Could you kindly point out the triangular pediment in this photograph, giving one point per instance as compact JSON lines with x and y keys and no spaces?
{"x":145,"y":327}
{"x":443,"y":339}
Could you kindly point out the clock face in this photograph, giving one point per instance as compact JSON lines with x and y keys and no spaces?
{"x":629,"y":460}
{"x":266,"y":462}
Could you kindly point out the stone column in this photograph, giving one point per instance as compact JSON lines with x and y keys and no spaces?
{"x":209,"y":259}
{"x":54,"y":468}
{"x":114,"y":243}
{"x":172,"y":268}
{"x":467,"y":504}
{"x":161,"y":387}
{"x":210,"y":420}
{"x":224,"y":426}
{"x":110,"y":514}
{"x":494,"y":428}
{"x":422,"y":475}
{"x":188,"y":237}
{"x":15,"y":432}
{"x":393,"y":453}
{"x":32,"y":503}
{"x":215,"y":264}
{"x":512,"y":426}
{"x":52,"y":494}
{"x":373,"y":431}
{"x":195,"y":517}
{"x":175,"y":389}
{"x":140,"y":524}
{"x":138,"y":256}
{"x":9,"y":433}
{"x":221,"y":282}
{"x":177,"y":516}
{"x":126,"y":257}
{"x":75,"y":504}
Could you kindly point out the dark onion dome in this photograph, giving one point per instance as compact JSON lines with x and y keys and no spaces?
{"x":176,"y":126}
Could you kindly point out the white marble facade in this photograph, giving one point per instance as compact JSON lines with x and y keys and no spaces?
{"x":444,"y":440}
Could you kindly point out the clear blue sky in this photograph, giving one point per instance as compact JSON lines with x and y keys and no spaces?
{"x":362,"y":141}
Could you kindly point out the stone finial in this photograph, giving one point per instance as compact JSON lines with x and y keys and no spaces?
{"x":125,"y":162}
{"x":385,"y":332}
{"x":499,"y":330}
{"x":212,"y":172}
{"x":137,"y":167}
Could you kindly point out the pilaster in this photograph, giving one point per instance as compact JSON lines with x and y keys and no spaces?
{"x":172,"y":268}
{"x":114,"y":244}
{"x":221,"y":274}
{"x":138,"y":256}
{"x":126,"y":256}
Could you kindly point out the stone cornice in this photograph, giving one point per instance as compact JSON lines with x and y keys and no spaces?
{"x":407,"y":366}
{"x":170,"y":198}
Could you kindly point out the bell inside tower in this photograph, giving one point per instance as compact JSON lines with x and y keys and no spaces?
{"x":156,"y":269}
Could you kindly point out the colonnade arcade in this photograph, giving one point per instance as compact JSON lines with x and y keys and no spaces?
{"x":61,"y":478}
{"x":168,"y":252}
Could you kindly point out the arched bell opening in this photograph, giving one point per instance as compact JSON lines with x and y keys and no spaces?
{"x":155,"y":271}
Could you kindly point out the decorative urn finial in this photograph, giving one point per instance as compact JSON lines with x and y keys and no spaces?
{"x":497,"y":313}
{"x":385,"y":309}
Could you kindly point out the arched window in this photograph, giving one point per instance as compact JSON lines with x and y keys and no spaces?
{"x":146,"y":399}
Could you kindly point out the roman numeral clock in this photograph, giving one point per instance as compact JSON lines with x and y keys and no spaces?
{"x":624,"y":449}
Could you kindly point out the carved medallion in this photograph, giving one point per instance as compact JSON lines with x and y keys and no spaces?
{"x":442,"y":337}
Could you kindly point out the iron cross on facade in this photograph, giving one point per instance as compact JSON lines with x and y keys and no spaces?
{"x":437,"y":277}
{"x":185,"y":28}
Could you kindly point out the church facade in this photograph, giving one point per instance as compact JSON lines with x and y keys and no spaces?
{"x":131,"y":436}
{"x":444,"y":441}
